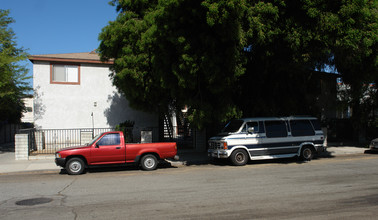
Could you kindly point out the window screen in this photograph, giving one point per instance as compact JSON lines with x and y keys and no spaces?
{"x":65,"y":73}
{"x":275,"y":129}
{"x":301,"y":128}
{"x":59,"y":73}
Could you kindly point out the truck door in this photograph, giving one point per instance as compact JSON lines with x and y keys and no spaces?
{"x":109,"y":149}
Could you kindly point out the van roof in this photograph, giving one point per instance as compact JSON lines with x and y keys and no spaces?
{"x":278,"y":118}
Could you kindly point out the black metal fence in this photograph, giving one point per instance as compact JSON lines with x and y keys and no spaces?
{"x":48,"y":141}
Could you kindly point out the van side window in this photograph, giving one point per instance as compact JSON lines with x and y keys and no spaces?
{"x":261,"y":127}
{"x":275,"y":129}
{"x":254,"y":125}
{"x":316,"y":125}
{"x":301,"y":128}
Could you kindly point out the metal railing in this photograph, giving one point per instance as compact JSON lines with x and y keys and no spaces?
{"x":48,"y":141}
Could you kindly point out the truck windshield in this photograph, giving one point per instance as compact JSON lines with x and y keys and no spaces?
{"x":233,"y":126}
{"x":95,"y":139}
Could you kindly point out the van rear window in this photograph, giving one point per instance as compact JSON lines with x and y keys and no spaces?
{"x":301,"y":128}
{"x":316,"y":125}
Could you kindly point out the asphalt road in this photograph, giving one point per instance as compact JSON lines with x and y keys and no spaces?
{"x":325,"y":188}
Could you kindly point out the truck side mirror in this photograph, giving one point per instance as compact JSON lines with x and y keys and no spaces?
{"x":251,"y":129}
{"x":97,"y":145}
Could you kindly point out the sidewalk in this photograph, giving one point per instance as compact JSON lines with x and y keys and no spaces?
{"x":8,"y":164}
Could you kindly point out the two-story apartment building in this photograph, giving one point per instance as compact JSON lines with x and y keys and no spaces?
{"x":74,"y":90}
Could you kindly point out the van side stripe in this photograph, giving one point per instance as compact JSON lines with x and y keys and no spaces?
{"x":273,"y":145}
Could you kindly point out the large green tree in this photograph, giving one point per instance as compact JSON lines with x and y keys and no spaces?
{"x":12,"y":74}
{"x":228,"y":58}
{"x":174,"y":53}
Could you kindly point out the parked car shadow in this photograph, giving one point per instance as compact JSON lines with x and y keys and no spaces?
{"x":119,"y":168}
{"x":325,"y":154}
{"x":227,"y":162}
{"x":371,"y":151}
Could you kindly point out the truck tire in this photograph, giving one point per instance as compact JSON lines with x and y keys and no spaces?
{"x":239,"y":157}
{"x":307,"y":153}
{"x":149,"y":162}
{"x":75,"y":166}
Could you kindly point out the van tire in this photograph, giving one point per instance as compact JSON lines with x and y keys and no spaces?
{"x":307,"y":153}
{"x":239,"y":157}
{"x":75,"y":166}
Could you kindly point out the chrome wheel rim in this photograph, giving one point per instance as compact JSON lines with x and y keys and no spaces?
{"x":149,"y":162}
{"x":75,"y":166}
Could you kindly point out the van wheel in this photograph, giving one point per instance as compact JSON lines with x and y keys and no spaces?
{"x":307,"y":153}
{"x":239,"y":157}
{"x":149,"y":162}
{"x":75,"y":166}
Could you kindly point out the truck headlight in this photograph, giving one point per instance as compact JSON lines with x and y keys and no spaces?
{"x":57,"y":155}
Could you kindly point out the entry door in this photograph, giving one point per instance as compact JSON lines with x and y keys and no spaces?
{"x":109,"y":149}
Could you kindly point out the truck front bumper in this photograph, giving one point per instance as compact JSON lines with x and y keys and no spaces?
{"x":60,"y":162}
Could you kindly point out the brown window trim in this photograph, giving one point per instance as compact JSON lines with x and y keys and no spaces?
{"x":65,"y":83}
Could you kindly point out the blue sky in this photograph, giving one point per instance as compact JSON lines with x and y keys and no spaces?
{"x":58,"y":26}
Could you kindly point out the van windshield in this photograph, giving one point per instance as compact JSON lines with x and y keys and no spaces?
{"x":233,"y":126}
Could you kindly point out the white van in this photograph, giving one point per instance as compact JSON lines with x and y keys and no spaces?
{"x":268,"y":138}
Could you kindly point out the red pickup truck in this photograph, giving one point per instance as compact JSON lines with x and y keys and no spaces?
{"x":110,"y":148}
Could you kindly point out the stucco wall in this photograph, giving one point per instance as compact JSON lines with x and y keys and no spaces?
{"x":62,"y":106}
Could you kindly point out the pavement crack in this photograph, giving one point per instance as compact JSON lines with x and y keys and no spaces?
{"x":64,"y":197}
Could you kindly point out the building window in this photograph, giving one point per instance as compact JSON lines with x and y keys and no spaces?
{"x":65,"y":74}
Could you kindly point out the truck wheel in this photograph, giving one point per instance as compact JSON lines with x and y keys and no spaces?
{"x":307,"y":153}
{"x":149,"y":162}
{"x":75,"y":166}
{"x":239,"y":157}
